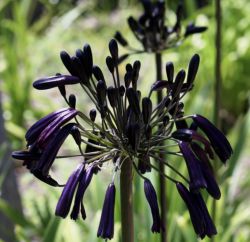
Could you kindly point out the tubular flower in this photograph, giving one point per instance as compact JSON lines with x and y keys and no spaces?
{"x":151,"y":196}
{"x":123,"y":126}
{"x":150,"y":29}
{"x":106,"y":226}
{"x":202,"y":222}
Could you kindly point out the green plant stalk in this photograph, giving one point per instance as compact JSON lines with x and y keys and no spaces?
{"x":126,"y":191}
{"x":162,"y":181}
{"x":218,"y":85}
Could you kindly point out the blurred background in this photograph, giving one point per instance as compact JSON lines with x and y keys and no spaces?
{"x":32,"y":34}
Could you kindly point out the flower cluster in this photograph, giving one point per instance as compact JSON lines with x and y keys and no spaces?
{"x":124,"y":126}
{"x":150,"y":29}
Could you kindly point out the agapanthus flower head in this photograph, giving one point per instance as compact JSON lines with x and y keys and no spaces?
{"x":152,"y":32}
{"x":123,"y":125}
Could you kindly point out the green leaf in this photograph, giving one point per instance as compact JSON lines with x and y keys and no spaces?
{"x":51,"y":230}
{"x":14,"y":215}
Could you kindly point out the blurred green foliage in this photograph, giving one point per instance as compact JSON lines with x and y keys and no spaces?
{"x":33,"y":33}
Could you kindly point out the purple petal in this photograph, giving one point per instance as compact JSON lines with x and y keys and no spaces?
{"x":49,"y":154}
{"x":55,"y":81}
{"x":83,"y":184}
{"x":35,"y":130}
{"x":54,"y":126}
{"x":197,"y":179}
{"x":152,"y":201}
{"x":218,"y":140}
{"x":65,"y":200}
{"x":106,"y":226}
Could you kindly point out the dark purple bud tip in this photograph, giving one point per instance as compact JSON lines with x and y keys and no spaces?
{"x":66,"y":59}
{"x":113,"y":48}
{"x":98,"y":73}
{"x":76,"y":135}
{"x":217,"y":139}
{"x":133,"y":24}
{"x":146,"y":109}
{"x":119,"y":37}
{"x":92,"y":115}
{"x":62,"y":90}
{"x":151,"y":196}
{"x":101,"y":91}
{"x":193,"y":68}
{"x":159,"y":85}
{"x":192,"y":29}
{"x":106,"y":226}
{"x":110,"y":64}
{"x":25,"y":155}
{"x":133,"y":100}
{"x":72,"y":101}
{"x":183,"y":134}
{"x":88,"y":60}
{"x":135,"y":72}
{"x":178,"y":83}
{"x":113,"y":95}
{"x":55,"y":81}
{"x":170,"y":71}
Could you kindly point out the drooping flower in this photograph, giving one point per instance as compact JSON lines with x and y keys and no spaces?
{"x":197,"y":179}
{"x":106,"y":226}
{"x":65,"y":200}
{"x":218,"y":140}
{"x":151,"y":196}
{"x":201,"y":220}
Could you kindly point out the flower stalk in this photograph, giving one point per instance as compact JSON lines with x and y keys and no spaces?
{"x":162,"y":180}
{"x":126,"y":191}
{"x":218,"y":84}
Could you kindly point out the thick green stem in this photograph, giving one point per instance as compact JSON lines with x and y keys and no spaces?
{"x":127,"y":221}
{"x":162,"y":181}
{"x":218,"y":85}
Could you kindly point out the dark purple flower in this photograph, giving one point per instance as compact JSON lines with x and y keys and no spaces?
{"x":65,"y":200}
{"x":201,"y":220}
{"x":218,"y":140}
{"x":45,"y":127}
{"x":55,"y":81}
{"x":25,"y":155}
{"x":212,"y":186}
{"x":192,"y":29}
{"x":83,"y":185}
{"x":43,"y":165}
{"x":159,"y":85}
{"x":54,"y":126}
{"x":188,"y":135}
{"x":151,"y":196}
{"x":197,"y":179}
{"x":106,"y":226}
